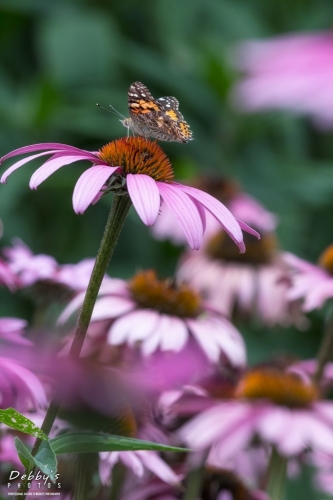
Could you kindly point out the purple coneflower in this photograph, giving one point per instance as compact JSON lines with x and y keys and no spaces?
{"x":159,"y":314}
{"x":254,"y":284}
{"x":278,"y":408}
{"x":140,"y":168}
{"x":291,"y":72}
{"x":310,"y":282}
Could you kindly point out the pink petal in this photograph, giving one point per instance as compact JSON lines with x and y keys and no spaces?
{"x":145,"y":196}
{"x":40,"y":147}
{"x":125,"y":328}
{"x":89,"y":185}
{"x":52,"y":166}
{"x":219,"y":211}
{"x":131,"y":460}
{"x":230,"y":341}
{"x":156,"y":465}
{"x":25,"y":380}
{"x":184,"y":211}
{"x":19,"y":164}
{"x":206,"y":341}
{"x":233,"y":441}
{"x":173,"y":333}
{"x":273,"y":423}
{"x":151,"y":344}
{"x":248,"y":229}
{"x":204,"y":429}
{"x":145,"y":323}
{"x":111,"y":307}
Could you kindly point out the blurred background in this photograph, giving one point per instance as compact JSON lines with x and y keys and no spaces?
{"x":58,"y":59}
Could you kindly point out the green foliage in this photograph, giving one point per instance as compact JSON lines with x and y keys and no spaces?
{"x":96,"y":442}
{"x":45,"y":459}
{"x":19,"y":422}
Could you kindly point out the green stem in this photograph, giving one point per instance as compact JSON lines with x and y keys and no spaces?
{"x":194,"y":483}
{"x":325,"y":352}
{"x":116,"y":219}
{"x":277,"y":469}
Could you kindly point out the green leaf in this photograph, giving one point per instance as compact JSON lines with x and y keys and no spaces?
{"x":95,"y":442}
{"x":45,"y":459}
{"x":14,"y":419}
{"x":24,"y":454}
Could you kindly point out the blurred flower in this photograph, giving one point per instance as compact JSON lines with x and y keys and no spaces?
{"x":163,"y":315}
{"x":291,"y":72}
{"x":19,"y":387}
{"x":12,"y":329}
{"x":253,"y":284}
{"x":279,"y":408}
{"x":312,"y":283}
{"x":241,"y":205}
{"x":140,"y":168}
{"x":138,"y":462}
{"x":29,"y":268}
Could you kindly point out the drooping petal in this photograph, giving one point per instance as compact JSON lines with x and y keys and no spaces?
{"x":184,"y":211}
{"x":111,"y":307}
{"x":41,"y":147}
{"x":145,"y":196}
{"x":248,"y":229}
{"x":156,"y":465}
{"x":89,"y":185}
{"x":205,"y":428}
{"x":219,"y":211}
{"x":52,"y":166}
{"x":173,"y":332}
{"x":27,"y":384}
{"x":206,"y":341}
{"x":136,"y":325}
{"x":20,"y":163}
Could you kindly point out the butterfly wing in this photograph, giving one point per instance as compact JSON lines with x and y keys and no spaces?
{"x":158,"y":118}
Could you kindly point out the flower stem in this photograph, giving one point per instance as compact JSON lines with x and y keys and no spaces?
{"x":116,"y":219}
{"x":277,"y":469}
{"x":325,"y":352}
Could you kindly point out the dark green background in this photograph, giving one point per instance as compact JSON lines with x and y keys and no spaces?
{"x":58,"y":58}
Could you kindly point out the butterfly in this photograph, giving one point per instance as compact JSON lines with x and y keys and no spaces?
{"x":158,"y":118}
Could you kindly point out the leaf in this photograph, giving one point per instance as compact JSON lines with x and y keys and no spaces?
{"x":24,"y":454}
{"x":45,"y":459}
{"x":17,"y":421}
{"x":96,"y":442}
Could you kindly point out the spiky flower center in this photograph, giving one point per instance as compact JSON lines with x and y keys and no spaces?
{"x":220,"y":247}
{"x":326,"y":259}
{"x":136,"y":155}
{"x":164,"y":296}
{"x":286,"y":389}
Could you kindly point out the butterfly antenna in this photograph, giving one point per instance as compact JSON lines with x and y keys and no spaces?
{"x":114,"y":111}
{"x":117,"y":112}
